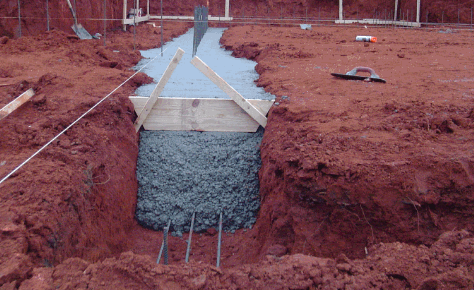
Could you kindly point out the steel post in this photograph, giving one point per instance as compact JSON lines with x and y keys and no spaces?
{"x":105,"y":20}
{"x":19,"y":18}
{"x":161,"y":13}
{"x":47,"y":15}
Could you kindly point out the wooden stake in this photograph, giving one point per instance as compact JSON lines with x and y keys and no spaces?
{"x":16,"y":103}
{"x":159,"y":88}
{"x":233,"y":94}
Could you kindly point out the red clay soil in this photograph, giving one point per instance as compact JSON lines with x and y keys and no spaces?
{"x":363,"y":185}
{"x":346,"y":164}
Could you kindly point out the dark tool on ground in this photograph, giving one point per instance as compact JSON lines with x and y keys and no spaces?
{"x":78,"y":29}
{"x":200,"y":25}
{"x":352,"y":75}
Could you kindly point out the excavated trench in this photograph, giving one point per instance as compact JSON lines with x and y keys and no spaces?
{"x":207,"y":173}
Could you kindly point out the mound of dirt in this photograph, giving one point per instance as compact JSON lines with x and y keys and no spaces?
{"x":346,"y":164}
{"x":446,"y":265}
{"x":77,"y":197}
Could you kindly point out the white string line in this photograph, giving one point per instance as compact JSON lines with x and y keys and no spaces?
{"x":73,"y":123}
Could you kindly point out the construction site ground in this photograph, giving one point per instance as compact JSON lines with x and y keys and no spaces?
{"x":363,"y":185}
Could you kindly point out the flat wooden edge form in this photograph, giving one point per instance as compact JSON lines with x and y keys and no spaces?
{"x":229,"y":90}
{"x":159,"y":88}
{"x":203,"y":114}
{"x":16,"y":103}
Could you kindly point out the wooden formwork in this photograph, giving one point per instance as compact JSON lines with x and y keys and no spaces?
{"x":186,"y":114}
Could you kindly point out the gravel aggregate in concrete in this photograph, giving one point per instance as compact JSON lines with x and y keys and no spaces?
{"x":181,"y":172}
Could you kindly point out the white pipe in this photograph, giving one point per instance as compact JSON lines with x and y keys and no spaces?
{"x":396,"y":8}
{"x":341,"y":17}
{"x":226,"y":8}
{"x":124,"y":14}
{"x":417,"y":11}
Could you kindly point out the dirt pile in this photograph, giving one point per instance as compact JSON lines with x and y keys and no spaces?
{"x":446,"y":265}
{"x":346,"y":164}
{"x":77,"y":197}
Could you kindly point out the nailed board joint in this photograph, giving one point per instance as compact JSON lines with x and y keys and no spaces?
{"x":230,"y":91}
{"x":159,"y":88}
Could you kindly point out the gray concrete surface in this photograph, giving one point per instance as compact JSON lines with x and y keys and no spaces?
{"x":203,"y":172}
{"x":188,"y":82}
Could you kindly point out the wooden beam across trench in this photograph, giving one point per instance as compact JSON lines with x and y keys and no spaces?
{"x":203,"y":114}
{"x":180,"y":114}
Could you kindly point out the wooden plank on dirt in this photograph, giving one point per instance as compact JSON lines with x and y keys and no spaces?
{"x":229,"y":90}
{"x":158,"y":89}
{"x":16,"y":103}
{"x":219,"y":115}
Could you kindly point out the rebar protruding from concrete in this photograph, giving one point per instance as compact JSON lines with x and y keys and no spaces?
{"x":159,"y":255}
{"x":165,"y":244}
{"x":219,"y":242}
{"x":188,"y":250}
{"x":162,"y":245}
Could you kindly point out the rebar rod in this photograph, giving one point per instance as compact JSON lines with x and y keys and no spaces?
{"x":162,"y":246}
{"x":188,"y":250}
{"x":160,"y":253}
{"x":165,"y":244}
{"x":219,"y":242}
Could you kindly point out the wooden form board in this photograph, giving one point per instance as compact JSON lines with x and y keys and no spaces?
{"x":158,"y":89}
{"x":179,"y":114}
{"x":16,"y":103}
{"x":230,"y":91}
